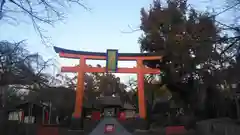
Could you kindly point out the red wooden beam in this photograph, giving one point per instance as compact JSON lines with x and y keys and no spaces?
{"x":119,"y":70}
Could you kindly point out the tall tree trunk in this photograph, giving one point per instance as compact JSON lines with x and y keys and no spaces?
{"x":3,"y":112}
{"x":3,"y":91}
{"x":202,"y":93}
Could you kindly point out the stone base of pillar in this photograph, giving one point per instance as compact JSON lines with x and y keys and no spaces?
{"x":76,"y":124}
{"x":142,"y":124}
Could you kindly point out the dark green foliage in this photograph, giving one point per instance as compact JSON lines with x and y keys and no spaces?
{"x":192,"y":61}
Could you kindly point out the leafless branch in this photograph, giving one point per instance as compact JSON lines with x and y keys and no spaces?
{"x":2,"y":2}
{"x":80,"y":3}
{"x":131,"y":30}
{"x":38,"y":11}
{"x":228,"y":27}
{"x":18,"y":66}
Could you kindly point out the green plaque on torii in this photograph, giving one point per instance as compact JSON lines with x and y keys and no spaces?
{"x":112,"y":61}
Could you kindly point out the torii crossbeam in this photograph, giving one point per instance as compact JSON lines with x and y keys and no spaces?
{"x":112,"y":57}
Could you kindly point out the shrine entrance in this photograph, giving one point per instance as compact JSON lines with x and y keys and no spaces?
{"x":112,"y":57}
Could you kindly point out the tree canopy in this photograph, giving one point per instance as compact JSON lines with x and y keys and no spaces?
{"x":18,"y":66}
{"x":194,"y":62}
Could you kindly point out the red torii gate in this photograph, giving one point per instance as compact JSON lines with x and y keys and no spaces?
{"x":112,"y":58}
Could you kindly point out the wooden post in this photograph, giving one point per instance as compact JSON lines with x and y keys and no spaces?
{"x":141,"y":97}
{"x":80,"y":89}
{"x":43,"y":115}
{"x":50,"y":113}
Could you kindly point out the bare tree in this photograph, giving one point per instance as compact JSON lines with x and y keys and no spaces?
{"x":18,"y":66}
{"x":37,"y":11}
{"x":19,"y":70}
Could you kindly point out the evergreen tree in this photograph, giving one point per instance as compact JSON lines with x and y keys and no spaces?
{"x":187,"y":39}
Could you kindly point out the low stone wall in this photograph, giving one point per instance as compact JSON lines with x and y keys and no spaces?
{"x":89,"y":125}
{"x":64,"y":131}
{"x":223,"y":126}
{"x":16,"y":128}
{"x":132,"y":124}
{"x":3,"y":120}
